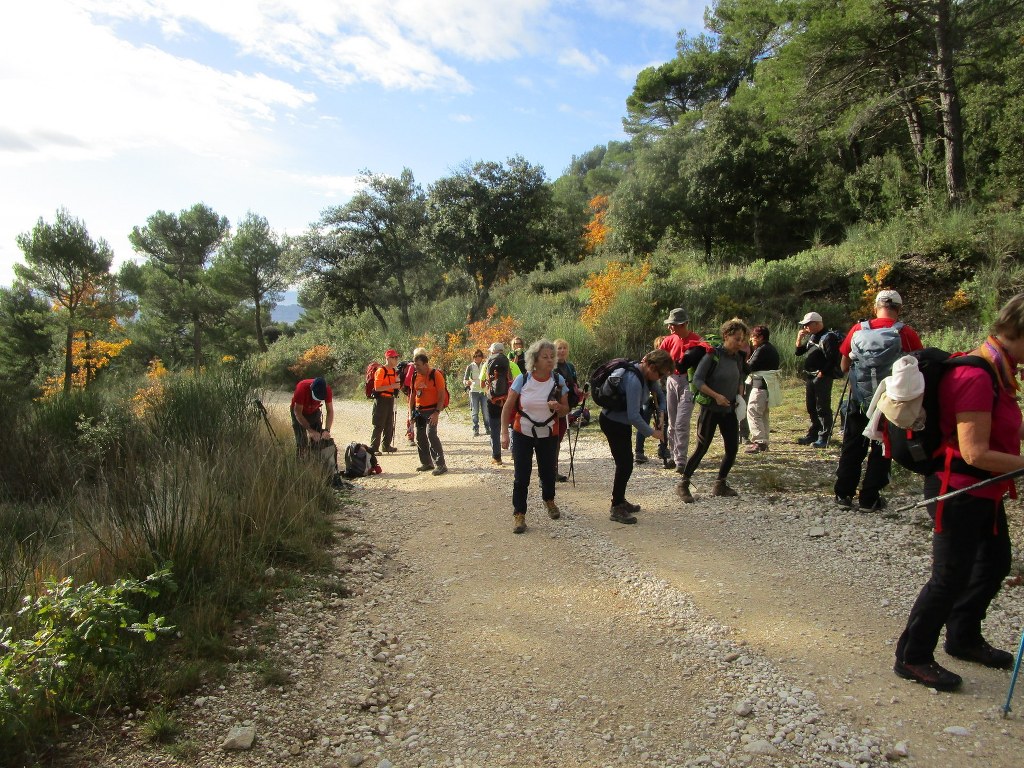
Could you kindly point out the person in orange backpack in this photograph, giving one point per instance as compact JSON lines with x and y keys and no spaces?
{"x":429,"y":397}
{"x":385,"y":390}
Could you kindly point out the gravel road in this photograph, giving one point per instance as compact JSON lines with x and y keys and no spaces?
{"x":755,"y":631}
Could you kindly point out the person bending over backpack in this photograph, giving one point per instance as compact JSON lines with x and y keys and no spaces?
{"x":307,"y":421}
{"x":868,"y":352}
{"x":981,"y":430}
{"x":536,"y":403}
{"x":617,"y":425}
{"x":719,"y":382}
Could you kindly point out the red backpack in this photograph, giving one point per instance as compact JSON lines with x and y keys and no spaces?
{"x":371,"y":372}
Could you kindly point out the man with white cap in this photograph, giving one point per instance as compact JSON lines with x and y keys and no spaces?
{"x":678,"y":396}
{"x":820,"y":351}
{"x":870,"y":349}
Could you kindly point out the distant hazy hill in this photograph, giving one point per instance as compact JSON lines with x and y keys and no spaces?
{"x":288,"y":311}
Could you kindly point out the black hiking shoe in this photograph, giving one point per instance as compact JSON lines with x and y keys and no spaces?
{"x":983,"y":654}
{"x":669,"y":464}
{"x":561,"y":478}
{"x":683,"y":491}
{"x":640,"y":459}
{"x":845,"y":501}
{"x":877,"y":506}
{"x":931,"y":675}
{"x":808,"y":440}
{"x":620,"y":514}
{"x":440,"y":470}
{"x":424,"y":467}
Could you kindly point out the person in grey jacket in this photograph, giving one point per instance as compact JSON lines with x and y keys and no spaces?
{"x":718,"y":381}
{"x":617,"y":426}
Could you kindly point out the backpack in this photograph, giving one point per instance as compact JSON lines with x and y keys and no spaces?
{"x":873,"y":352}
{"x":920,"y":450}
{"x":371,"y":371}
{"x":326,"y":452}
{"x":359,"y":461}
{"x":405,"y":371}
{"x":558,"y":384}
{"x":499,"y":378}
{"x":699,"y":397}
{"x":606,"y":383}
{"x":829,"y":346}
{"x":443,"y":398}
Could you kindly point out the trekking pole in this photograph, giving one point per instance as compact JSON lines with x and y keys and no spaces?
{"x":266,"y":418}
{"x":839,"y":407}
{"x":572,"y":442}
{"x":958,"y":491}
{"x":1013,"y":677}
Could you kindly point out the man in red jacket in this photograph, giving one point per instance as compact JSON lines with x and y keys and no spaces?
{"x":307,"y":419}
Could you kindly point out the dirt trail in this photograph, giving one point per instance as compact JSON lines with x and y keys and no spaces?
{"x":562,"y":646}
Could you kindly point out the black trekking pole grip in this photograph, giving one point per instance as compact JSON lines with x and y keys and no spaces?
{"x":958,"y":491}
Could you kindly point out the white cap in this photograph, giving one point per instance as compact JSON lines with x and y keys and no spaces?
{"x":496,"y":347}
{"x":810,"y":317}
{"x":889,"y":297}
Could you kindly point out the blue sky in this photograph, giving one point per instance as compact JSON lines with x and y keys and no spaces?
{"x":115,"y":109}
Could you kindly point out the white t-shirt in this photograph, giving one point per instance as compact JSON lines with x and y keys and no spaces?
{"x":533,"y":400}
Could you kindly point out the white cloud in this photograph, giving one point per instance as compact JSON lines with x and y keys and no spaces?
{"x":93,"y":95}
{"x":590,"y":63}
{"x":324,"y":185}
{"x":462,"y":118}
{"x":671,"y":15}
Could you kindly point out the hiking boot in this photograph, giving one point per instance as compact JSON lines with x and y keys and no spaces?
{"x":553,"y":511}
{"x":519,"y":522}
{"x":424,"y":467}
{"x":561,"y":478}
{"x":640,"y":459}
{"x":680,"y":469}
{"x":821,"y":443}
{"x":844,"y":501}
{"x":390,"y":449}
{"x":633,"y":508}
{"x":669,"y":464}
{"x":441,"y":469}
{"x":807,"y":440}
{"x":983,"y":654}
{"x":929,"y":674}
{"x":756,"y":448}
{"x":876,"y":506}
{"x":722,"y":489}
{"x":683,"y":490}
{"x":476,"y":433}
{"x":620,"y":514}
{"x":496,"y":462}
{"x":375,"y":452}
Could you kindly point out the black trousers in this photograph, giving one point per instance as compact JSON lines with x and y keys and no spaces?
{"x":707,"y":422}
{"x":524,"y":447}
{"x":620,"y":440}
{"x":970,"y":559}
{"x":383,"y":423}
{"x":851,"y":456}
{"x":818,"y":399}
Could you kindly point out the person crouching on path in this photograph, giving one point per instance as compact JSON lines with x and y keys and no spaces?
{"x":477,"y":397}
{"x":307,"y":421}
{"x":385,"y":389}
{"x":981,"y":436}
{"x":427,"y":388}
{"x":763,"y":364}
{"x":719,"y":381}
{"x":536,"y":403}
{"x":617,"y":426}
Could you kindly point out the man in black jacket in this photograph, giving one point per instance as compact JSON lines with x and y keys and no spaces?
{"x":820,"y":350}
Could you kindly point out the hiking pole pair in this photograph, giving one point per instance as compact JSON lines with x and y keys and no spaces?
{"x":1013,"y":677}
{"x":839,"y":407}
{"x":266,"y":418}
{"x":572,"y":441}
{"x":958,"y":491}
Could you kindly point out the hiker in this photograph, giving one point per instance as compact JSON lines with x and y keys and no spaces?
{"x":425,"y":406}
{"x":617,"y":424}
{"x":719,"y":382}
{"x":567,"y":371}
{"x":308,"y":423}
{"x":870,"y":347}
{"x":981,"y":432}
{"x":517,"y":356}
{"x":763,"y":365}
{"x":820,"y":350}
{"x":477,"y":398}
{"x":678,"y":394}
{"x":496,"y":377}
{"x":385,"y":389}
{"x":536,"y":403}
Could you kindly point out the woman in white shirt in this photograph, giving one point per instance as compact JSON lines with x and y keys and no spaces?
{"x":537,"y":399}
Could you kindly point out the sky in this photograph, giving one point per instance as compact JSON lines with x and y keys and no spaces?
{"x":116,"y":109}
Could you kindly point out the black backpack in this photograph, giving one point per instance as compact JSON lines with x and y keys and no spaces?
{"x":499,"y":376}
{"x":606,"y":383}
{"x":919,"y":450}
{"x":359,"y":461}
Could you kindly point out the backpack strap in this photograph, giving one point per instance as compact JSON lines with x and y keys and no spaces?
{"x":559,"y":382}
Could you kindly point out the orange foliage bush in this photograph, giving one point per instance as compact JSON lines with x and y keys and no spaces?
{"x":604,"y":286}
{"x":874,"y":284}
{"x":460,"y":346}
{"x":597,"y":229}
{"x":88,"y":356}
{"x":145,"y":398}
{"x":318,"y":360}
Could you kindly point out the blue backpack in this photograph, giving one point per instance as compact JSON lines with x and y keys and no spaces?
{"x":873,"y":352}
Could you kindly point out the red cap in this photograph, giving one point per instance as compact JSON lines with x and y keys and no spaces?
{"x":391,"y":353}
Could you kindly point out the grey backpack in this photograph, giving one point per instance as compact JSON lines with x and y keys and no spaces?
{"x":873,"y":352}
